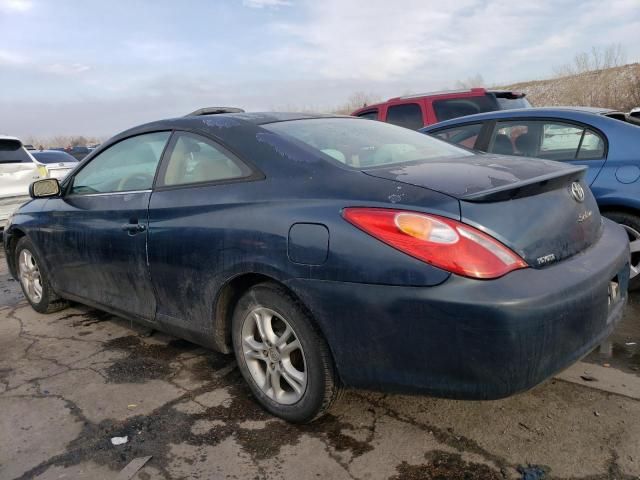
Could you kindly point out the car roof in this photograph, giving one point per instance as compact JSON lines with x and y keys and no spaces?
{"x":221,"y":120}
{"x":8,"y":137}
{"x":261,"y":118}
{"x":568,"y":112}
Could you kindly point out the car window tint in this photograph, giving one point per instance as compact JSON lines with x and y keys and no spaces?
{"x":12,"y":151}
{"x":195,"y":159}
{"x":54,"y":157}
{"x":465,"y":135}
{"x":126,"y":166}
{"x":560,"y":141}
{"x":552,"y":140}
{"x":592,"y":146}
{"x":460,"y":107}
{"x":370,"y":115}
{"x":408,"y":115}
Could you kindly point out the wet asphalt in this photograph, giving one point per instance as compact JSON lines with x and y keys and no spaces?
{"x":71,"y":381}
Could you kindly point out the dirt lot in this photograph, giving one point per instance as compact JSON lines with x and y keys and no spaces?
{"x":71,"y":381}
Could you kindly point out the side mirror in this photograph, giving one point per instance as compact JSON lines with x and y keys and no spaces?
{"x":47,"y":187}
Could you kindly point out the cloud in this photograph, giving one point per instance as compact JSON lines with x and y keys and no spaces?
{"x":11,"y":58}
{"x":16,"y":5}
{"x":433,"y":43}
{"x":266,"y":3}
{"x":66,"y":69}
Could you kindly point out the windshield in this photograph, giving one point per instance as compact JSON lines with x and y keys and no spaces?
{"x":360,"y":144}
{"x":12,"y":151}
{"x":53,"y":157}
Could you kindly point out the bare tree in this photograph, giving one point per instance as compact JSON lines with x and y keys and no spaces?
{"x":355,"y":101}
{"x":471,"y":82}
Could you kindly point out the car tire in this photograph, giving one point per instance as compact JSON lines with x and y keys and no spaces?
{"x":34,"y":280}
{"x":631,"y":224}
{"x":295,"y":384}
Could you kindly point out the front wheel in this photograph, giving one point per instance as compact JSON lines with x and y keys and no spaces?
{"x":34,"y":280}
{"x":631,"y":223}
{"x":282,"y":356}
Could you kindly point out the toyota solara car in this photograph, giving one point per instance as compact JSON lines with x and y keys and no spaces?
{"x":331,"y":251}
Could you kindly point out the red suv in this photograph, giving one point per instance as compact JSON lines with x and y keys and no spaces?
{"x":417,"y":111}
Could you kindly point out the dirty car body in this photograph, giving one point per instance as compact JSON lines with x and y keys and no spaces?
{"x":300,"y":208}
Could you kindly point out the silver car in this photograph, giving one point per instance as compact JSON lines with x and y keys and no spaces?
{"x":17,"y":170}
{"x":54,"y":163}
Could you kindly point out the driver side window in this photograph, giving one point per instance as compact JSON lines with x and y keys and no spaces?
{"x":126,"y":166}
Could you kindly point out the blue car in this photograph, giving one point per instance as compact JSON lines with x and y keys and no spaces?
{"x":605,"y":141}
{"x":331,"y":251}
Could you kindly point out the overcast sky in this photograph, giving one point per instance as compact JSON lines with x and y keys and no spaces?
{"x":97,"y":67}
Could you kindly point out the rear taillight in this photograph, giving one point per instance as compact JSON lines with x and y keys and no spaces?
{"x":439,"y":241}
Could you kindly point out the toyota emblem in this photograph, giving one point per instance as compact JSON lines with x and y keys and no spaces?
{"x":577,"y":192}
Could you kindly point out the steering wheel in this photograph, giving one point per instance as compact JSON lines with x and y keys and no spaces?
{"x":144,"y":177}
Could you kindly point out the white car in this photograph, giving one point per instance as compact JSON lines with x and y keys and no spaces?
{"x":54,"y":163}
{"x":17,"y":170}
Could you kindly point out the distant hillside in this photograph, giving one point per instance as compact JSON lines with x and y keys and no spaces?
{"x":617,"y":88}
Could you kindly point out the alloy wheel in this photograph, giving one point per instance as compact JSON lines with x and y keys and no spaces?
{"x":634,"y":247}
{"x":29,"y":274}
{"x":274,"y":356}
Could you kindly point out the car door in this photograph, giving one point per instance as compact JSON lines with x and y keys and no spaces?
{"x":97,"y":244}
{"x":191,"y":209}
{"x":551,"y":139}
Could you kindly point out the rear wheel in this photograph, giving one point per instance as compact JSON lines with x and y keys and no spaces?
{"x":34,"y":280}
{"x":282,"y":356}
{"x":631,"y":224}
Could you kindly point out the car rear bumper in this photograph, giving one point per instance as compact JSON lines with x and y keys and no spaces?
{"x":469,"y":338}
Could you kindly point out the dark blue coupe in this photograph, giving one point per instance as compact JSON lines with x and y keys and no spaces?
{"x":603,"y":140}
{"x":331,"y":251}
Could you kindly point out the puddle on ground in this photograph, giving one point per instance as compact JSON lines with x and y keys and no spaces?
{"x":145,"y":361}
{"x":446,"y":466}
{"x":259,"y":434}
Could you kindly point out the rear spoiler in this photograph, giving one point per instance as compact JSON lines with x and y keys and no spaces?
{"x":529,"y":187}
{"x":507,"y":94}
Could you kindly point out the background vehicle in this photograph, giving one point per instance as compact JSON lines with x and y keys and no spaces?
{"x":17,"y":171}
{"x":597,"y":138}
{"x":54,"y":163}
{"x":416,"y":111}
{"x":331,"y":250}
{"x":76,"y":152}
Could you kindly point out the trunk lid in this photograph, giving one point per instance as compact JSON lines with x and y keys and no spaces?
{"x":533,"y":206}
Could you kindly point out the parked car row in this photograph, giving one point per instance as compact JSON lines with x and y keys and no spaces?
{"x":328,"y":251}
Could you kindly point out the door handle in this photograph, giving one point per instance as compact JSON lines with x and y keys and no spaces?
{"x":133,"y":228}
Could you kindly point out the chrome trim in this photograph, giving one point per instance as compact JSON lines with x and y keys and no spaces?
{"x":110,"y":193}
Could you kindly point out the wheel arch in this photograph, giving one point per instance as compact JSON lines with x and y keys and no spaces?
{"x":13,"y":237}
{"x":227,"y":299}
{"x":614,"y":207}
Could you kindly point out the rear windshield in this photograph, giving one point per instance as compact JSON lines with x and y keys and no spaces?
{"x":53,"y":157}
{"x":361,"y":144}
{"x":11,"y":151}
{"x":460,"y":107}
